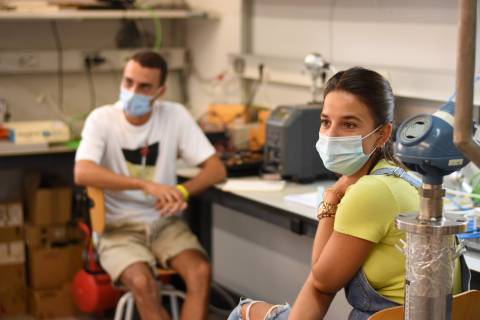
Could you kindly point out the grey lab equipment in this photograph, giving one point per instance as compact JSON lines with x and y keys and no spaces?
{"x":292,"y":132}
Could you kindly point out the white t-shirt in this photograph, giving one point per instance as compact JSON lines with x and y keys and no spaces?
{"x":109,"y":140}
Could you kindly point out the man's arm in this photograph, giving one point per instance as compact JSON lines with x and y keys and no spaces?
{"x":88,"y":173}
{"x":212,"y":172}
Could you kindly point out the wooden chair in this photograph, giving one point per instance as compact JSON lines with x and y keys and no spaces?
{"x":124,"y":309}
{"x":395,"y":313}
{"x":465,"y":306}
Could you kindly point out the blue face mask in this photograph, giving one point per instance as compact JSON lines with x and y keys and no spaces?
{"x":134,"y":104}
{"x":343,"y":155}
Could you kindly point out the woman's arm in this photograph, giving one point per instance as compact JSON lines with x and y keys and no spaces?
{"x":325,"y":225}
{"x":342,"y":256}
{"x":336,"y":257}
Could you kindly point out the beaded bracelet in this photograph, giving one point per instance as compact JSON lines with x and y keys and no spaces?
{"x":326,"y":210}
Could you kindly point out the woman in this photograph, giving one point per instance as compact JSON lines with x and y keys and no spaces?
{"x":354,"y":246}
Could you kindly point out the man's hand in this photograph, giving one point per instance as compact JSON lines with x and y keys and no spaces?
{"x":169,"y":199}
{"x":170,"y":209}
{"x":164,"y":193}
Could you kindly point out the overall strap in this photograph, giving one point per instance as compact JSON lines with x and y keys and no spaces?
{"x":400,"y":173}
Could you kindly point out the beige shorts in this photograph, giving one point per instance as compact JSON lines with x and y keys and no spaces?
{"x":124,"y":244}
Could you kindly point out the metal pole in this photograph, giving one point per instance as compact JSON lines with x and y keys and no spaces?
{"x":464,"y":84}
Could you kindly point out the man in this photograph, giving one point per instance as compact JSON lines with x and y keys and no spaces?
{"x":130,"y":149}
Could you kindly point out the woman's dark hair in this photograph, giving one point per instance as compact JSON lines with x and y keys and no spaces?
{"x":150,"y":59}
{"x":375,"y":92}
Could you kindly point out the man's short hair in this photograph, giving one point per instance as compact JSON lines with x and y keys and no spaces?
{"x":150,"y":59}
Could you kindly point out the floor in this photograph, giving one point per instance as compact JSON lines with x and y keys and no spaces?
{"x":211,"y":316}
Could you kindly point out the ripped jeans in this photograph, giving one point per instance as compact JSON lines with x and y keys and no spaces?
{"x":281,"y":312}
{"x":360,"y":294}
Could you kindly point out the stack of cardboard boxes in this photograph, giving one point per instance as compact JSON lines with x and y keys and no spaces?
{"x":12,"y":260}
{"x":53,"y":252}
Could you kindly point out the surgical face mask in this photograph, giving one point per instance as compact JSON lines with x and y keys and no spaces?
{"x":343,"y":155}
{"x":134,"y":104}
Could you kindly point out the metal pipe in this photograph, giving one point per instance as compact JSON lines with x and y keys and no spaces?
{"x":431,"y":202}
{"x":464,"y":83}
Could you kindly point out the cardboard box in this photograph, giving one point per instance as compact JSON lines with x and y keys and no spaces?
{"x":53,"y":303}
{"x":13,"y":300}
{"x":3,"y":214}
{"x":50,"y":268}
{"x":12,"y":252}
{"x":11,"y":234}
{"x":12,"y":276}
{"x":11,"y":214}
{"x":36,"y":236}
{"x":76,"y":261}
{"x":50,"y":206}
{"x":15,"y":214}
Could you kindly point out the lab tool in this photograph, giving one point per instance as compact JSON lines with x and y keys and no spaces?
{"x":32,"y":132}
{"x":292,"y":131}
{"x":425,"y":145}
{"x":290,"y":143}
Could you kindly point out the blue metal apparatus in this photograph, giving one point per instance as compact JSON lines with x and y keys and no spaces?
{"x":425,"y":145}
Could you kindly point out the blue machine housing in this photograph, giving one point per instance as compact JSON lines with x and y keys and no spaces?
{"x":425,"y":144}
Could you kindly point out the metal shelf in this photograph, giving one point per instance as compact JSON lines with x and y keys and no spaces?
{"x":419,"y":83}
{"x":71,"y":14}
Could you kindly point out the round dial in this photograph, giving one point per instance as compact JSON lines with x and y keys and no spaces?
{"x":415,"y":129}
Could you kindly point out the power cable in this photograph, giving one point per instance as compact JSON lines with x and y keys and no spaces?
{"x":91,"y":86}
{"x":58,"y":45}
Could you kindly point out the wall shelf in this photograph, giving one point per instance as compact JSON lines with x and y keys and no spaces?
{"x":106,"y":14}
{"x":417,"y":83}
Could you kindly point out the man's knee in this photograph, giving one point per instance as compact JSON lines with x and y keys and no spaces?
{"x":199,"y":274}
{"x":139,"y":279}
{"x":203,"y":270}
{"x":142,"y":283}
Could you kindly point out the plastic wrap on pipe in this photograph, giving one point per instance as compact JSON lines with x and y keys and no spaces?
{"x":430,"y":264}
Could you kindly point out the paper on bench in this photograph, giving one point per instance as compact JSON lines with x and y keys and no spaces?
{"x":311,"y":199}
{"x":253,"y":185}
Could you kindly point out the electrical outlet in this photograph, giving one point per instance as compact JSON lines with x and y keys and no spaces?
{"x":27,"y":62}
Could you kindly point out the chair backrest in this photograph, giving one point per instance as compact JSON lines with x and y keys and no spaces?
{"x":465,"y":306}
{"x":395,"y":313}
{"x":97,"y":211}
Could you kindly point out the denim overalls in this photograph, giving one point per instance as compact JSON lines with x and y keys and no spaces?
{"x":359,"y":293}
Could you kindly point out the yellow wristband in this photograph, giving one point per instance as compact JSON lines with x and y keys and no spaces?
{"x":183,"y":191}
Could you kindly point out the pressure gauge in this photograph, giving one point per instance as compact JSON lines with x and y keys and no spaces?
{"x":415,"y":129}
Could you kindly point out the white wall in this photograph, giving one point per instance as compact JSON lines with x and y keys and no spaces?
{"x":410,"y":36}
{"x":400,"y":33}
{"x":210,"y":42}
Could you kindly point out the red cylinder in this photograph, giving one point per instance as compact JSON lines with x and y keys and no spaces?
{"x":94,"y":293}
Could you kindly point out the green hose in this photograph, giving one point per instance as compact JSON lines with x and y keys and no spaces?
{"x":157,"y":26}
